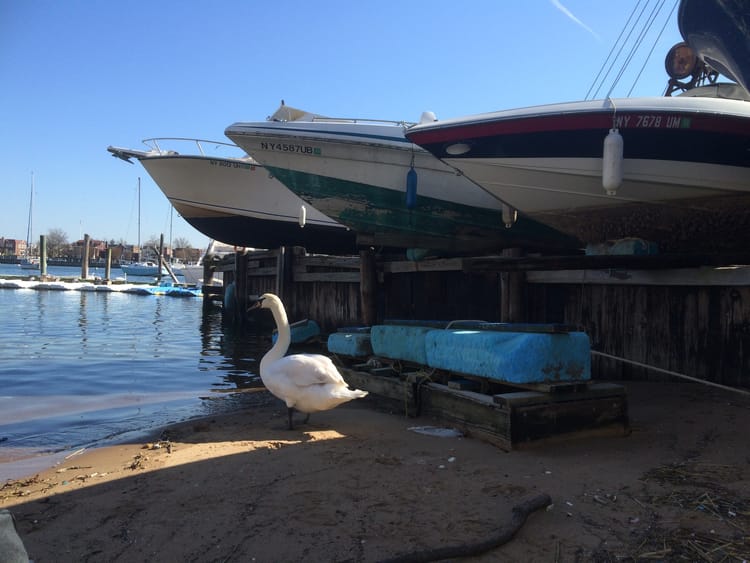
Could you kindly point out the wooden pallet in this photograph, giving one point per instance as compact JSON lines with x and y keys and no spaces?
{"x":507,"y":420}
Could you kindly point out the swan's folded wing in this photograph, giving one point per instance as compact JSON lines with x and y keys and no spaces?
{"x":308,"y":369}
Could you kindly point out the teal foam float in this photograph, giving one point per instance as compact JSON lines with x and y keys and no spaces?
{"x":400,"y":342}
{"x":515,"y":357}
{"x":350,"y":344}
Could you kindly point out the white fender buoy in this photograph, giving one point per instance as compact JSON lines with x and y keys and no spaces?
{"x":612,"y":162}
{"x":302,"y":215}
{"x":510,"y":215}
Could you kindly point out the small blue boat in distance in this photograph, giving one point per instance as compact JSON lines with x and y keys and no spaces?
{"x":148,"y":268}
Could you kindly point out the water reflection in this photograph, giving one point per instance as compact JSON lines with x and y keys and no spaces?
{"x":83,"y":323}
{"x":80,"y":368}
{"x":233,"y":351}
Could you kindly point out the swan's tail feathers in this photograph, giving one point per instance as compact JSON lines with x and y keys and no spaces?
{"x":358,"y":393}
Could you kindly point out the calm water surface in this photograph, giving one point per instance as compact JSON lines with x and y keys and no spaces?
{"x":81,"y":369}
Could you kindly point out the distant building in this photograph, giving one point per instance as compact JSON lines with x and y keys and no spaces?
{"x":12,"y":247}
{"x":97,"y":250}
{"x":73,"y":252}
{"x":188,"y":255}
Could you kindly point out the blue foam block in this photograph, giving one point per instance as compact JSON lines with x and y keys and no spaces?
{"x":400,"y":342}
{"x":301,"y":331}
{"x":350,"y":344}
{"x":509,"y":356}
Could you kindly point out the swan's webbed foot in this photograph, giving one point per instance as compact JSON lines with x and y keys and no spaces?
{"x":290,"y":414}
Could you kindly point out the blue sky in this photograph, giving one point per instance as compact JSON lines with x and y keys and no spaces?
{"x":77,"y":76}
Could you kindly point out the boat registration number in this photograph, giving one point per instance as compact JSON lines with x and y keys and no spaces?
{"x":286,"y":147}
{"x":652,"y":121}
{"x":230,"y":164}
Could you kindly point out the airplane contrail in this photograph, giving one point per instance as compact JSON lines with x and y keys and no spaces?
{"x":557,"y":4}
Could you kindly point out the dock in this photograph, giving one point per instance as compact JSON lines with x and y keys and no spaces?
{"x":49,"y":283}
{"x":648,"y":317}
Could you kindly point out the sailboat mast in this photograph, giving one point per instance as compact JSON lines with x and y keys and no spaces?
{"x":171,"y":249}
{"x":29,"y":227}
{"x":139,"y":215}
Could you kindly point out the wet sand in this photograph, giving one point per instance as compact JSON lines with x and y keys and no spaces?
{"x":356,"y":484}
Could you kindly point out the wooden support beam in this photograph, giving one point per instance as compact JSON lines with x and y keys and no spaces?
{"x":368,"y":287}
{"x":512,"y":308}
{"x":581,"y":262}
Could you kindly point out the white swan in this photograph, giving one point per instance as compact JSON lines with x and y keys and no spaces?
{"x":305,"y":382}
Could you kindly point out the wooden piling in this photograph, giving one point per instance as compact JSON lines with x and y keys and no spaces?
{"x":85,"y":257}
{"x":160,"y":262}
{"x":108,"y":266}
{"x":42,"y":255}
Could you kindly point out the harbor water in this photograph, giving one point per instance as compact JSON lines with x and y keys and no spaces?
{"x":83,"y":369}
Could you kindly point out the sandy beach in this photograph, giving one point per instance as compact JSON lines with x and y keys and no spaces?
{"x":360,"y":484}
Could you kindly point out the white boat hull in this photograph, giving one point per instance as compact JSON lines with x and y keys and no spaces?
{"x":686,"y":167}
{"x":236,"y":201}
{"x":357,"y":173}
{"x":143,"y":269}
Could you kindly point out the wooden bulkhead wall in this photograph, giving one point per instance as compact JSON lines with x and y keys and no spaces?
{"x":681,"y":318}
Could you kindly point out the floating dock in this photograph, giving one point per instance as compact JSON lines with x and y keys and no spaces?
{"x":170,"y":289}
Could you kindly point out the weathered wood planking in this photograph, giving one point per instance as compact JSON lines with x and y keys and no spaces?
{"x":699,"y":330}
{"x":506,"y":420}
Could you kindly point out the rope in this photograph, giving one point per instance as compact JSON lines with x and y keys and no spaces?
{"x":672,"y":373}
{"x":651,"y":52}
{"x":647,"y":26}
{"x":604,"y":64}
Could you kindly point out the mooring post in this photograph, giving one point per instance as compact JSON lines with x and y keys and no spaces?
{"x":161,"y":253}
{"x":208,"y":269}
{"x":42,"y":255}
{"x":108,"y":265}
{"x":368,"y":287}
{"x":85,"y":257}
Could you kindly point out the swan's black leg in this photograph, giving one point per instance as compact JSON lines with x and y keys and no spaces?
{"x":290,"y":412}
{"x":307,"y":419}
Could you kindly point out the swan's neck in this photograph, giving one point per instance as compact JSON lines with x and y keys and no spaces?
{"x":284,"y":336}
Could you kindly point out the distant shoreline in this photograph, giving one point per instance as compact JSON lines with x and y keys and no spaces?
{"x":59,"y":262}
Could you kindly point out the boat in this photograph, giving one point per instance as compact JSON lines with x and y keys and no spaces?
{"x":674,"y":171}
{"x":167,"y":288}
{"x":234,"y":199}
{"x":147,"y":268}
{"x":718,"y":31}
{"x":28,"y":262}
{"x":367,"y":175}
{"x":193,"y":273}
{"x":143,"y":268}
